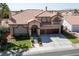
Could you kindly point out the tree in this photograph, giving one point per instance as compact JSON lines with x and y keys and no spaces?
{"x":3,"y":37}
{"x":4,"y":10}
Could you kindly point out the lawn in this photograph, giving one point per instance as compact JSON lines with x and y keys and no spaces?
{"x":72,"y":38}
{"x":19,"y":44}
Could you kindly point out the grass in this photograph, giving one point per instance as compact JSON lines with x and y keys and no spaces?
{"x":19,"y":44}
{"x":72,"y":38}
{"x":22,"y":42}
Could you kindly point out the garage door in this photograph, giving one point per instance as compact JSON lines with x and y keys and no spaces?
{"x":49,"y":31}
{"x":75,"y":28}
{"x":20,"y":30}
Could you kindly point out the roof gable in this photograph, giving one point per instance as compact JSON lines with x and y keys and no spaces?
{"x":46,"y":14}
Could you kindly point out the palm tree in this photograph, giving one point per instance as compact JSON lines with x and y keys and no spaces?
{"x":4,"y":10}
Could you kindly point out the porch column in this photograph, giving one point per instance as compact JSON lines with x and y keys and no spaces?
{"x":38,"y":31}
{"x":30,"y":32}
{"x":11,"y":31}
{"x":59,"y":29}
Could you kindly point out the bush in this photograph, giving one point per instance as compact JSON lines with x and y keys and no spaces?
{"x":32,"y":40}
{"x":22,"y":36}
{"x":23,"y":46}
{"x":39,"y":40}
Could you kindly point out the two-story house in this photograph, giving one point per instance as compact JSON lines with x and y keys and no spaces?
{"x":35,"y":21}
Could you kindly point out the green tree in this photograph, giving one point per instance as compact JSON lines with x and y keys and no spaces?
{"x":4,"y":10}
{"x":3,"y":37}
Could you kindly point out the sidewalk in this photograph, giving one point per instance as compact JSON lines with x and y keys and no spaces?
{"x":44,"y":50}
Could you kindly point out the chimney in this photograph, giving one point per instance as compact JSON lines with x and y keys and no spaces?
{"x":46,"y":8}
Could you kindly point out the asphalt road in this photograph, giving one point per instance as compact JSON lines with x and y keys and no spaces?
{"x":74,"y":52}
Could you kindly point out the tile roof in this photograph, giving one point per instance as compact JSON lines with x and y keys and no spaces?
{"x":46,"y":14}
{"x":30,"y":14}
{"x":74,"y":20}
{"x":23,"y":17}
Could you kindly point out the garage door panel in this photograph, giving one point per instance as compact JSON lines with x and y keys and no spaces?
{"x":75,"y":28}
{"x":49,"y":31}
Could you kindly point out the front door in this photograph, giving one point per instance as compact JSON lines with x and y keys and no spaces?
{"x":34,"y":30}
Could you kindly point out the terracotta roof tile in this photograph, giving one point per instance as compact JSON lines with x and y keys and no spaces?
{"x":74,"y":20}
{"x":23,"y":17}
{"x":30,"y":14}
{"x":46,"y":14}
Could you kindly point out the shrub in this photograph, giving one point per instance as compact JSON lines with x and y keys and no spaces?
{"x":27,"y":36}
{"x":22,"y":36}
{"x":23,"y":46}
{"x":39,"y":40}
{"x":32,"y":40}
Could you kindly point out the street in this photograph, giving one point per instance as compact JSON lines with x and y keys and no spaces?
{"x":74,"y":52}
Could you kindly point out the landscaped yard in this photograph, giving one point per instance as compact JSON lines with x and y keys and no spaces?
{"x":18,"y":43}
{"x":72,"y":38}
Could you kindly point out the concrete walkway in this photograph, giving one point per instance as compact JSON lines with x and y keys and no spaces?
{"x":36,"y":45}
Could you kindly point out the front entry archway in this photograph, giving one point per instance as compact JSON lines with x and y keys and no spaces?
{"x":34,"y":30}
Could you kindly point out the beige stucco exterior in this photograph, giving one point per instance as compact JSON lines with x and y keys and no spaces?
{"x":42,"y":20}
{"x":28,"y":28}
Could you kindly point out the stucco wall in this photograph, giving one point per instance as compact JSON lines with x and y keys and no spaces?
{"x":67,"y":25}
{"x":34,"y":23}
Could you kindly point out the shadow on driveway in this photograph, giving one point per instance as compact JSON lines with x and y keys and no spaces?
{"x":46,"y":38}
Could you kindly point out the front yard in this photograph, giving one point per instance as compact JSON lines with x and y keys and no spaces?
{"x":18,"y":43}
{"x":72,"y":38}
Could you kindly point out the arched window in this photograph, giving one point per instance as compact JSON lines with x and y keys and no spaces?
{"x":56,"y":20}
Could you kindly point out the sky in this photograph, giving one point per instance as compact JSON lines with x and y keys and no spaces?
{"x":51,"y":6}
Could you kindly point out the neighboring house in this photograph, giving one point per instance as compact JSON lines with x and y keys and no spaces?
{"x":35,"y":22}
{"x":71,"y":23}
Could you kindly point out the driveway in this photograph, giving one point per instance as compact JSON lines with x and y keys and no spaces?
{"x":55,"y":41}
{"x":52,"y":43}
{"x":77,"y":34}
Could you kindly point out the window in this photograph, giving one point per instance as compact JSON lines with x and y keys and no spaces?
{"x":56,"y":20}
{"x":44,"y":20}
{"x":48,"y":19}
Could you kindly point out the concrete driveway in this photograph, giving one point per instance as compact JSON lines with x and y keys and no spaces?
{"x":52,"y":43}
{"x":55,"y":41}
{"x":77,"y":34}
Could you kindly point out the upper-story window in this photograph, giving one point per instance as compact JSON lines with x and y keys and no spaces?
{"x":45,"y":20}
{"x":56,"y":20}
